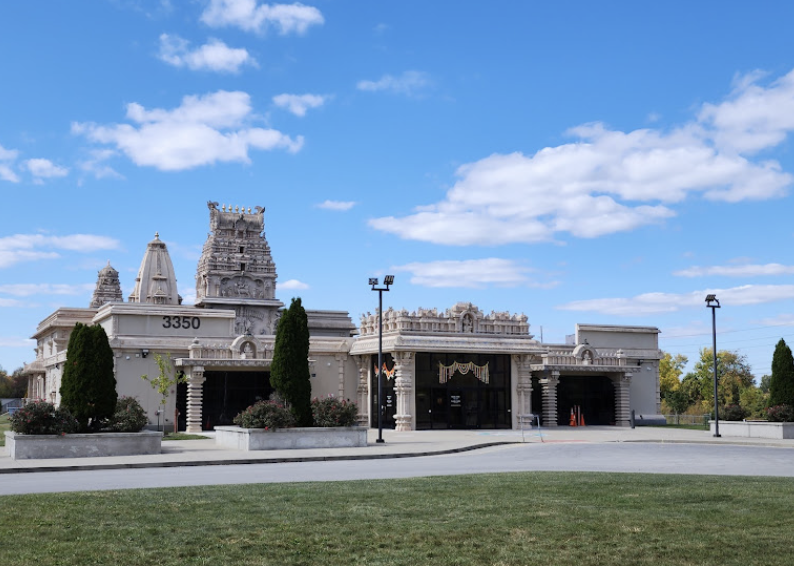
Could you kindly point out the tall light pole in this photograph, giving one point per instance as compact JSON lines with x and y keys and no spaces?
{"x":387,"y":281}
{"x":713,"y":304}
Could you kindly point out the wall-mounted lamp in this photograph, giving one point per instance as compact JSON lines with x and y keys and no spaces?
{"x":144,"y":352}
{"x":639,"y":362}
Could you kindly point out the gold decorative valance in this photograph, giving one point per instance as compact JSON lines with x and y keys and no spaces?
{"x":445,"y":373}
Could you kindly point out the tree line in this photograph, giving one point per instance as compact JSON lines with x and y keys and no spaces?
{"x":738,"y":394}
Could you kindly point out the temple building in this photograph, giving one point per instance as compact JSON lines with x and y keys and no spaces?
{"x":457,"y":368}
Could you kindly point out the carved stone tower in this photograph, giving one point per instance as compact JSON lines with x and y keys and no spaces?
{"x":108,"y":288}
{"x":156,"y":281}
{"x":236,"y":270}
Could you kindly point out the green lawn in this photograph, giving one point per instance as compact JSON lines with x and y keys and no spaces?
{"x":505,"y":519}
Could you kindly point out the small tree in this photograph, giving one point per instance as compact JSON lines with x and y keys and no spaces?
{"x":781,"y":386}
{"x":88,"y":385}
{"x":289,"y":372}
{"x":165,"y":380}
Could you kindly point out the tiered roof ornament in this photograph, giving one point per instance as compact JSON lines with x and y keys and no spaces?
{"x":236,"y":269}
{"x":108,"y":288}
{"x":156,"y":281}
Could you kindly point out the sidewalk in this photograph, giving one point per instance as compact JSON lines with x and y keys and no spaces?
{"x":397,"y":445}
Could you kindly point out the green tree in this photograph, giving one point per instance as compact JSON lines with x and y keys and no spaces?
{"x":734,"y":377}
{"x":88,"y":385}
{"x":670,"y":370}
{"x":289,"y":371}
{"x":781,"y":386}
{"x":165,"y":380}
{"x":678,"y":400}
{"x":764,"y":383}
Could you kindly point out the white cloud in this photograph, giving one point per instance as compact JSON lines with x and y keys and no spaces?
{"x":293,"y":284}
{"x":45,"y":169}
{"x":786,"y":319}
{"x":609,"y":181}
{"x":212,"y":56}
{"x":337,"y":205}
{"x":410,"y":82}
{"x":472,"y":273}
{"x":29,"y":289}
{"x":33,"y":247}
{"x":657,"y":303}
{"x":97,"y":167}
{"x":298,"y":104}
{"x":749,"y":270}
{"x":7,"y":158}
{"x":754,"y":117}
{"x":201,"y":131}
{"x":11,"y":303}
{"x":250,"y":16}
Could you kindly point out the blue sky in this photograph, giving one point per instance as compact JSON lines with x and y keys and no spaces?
{"x":607,"y":162}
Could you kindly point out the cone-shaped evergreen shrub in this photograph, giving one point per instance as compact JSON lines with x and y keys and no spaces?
{"x":88,"y":385}
{"x":781,"y":386}
{"x":289,"y":372}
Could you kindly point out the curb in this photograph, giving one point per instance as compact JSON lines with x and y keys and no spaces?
{"x":244,"y":461}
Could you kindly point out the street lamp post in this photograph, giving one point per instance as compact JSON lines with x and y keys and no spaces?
{"x":713,"y":304}
{"x":387,"y":281}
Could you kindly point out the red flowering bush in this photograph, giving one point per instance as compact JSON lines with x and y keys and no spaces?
{"x":41,"y":417}
{"x":780,"y":414}
{"x":129,"y":416}
{"x":265,"y":414}
{"x":330,"y":411}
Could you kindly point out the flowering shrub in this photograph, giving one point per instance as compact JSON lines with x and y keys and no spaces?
{"x":780,"y":414}
{"x":733,"y":413}
{"x":265,"y":414}
{"x":129,"y":416}
{"x":330,"y":411}
{"x":41,"y":417}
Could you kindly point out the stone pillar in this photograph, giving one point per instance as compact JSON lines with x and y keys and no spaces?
{"x":362,"y":389}
{"x":622,"y":384}
{"x":195,"y":393}
{"x":403,"y":389}
{"x":549,"y":385}
{"x":340,"y":365}
{"x":524,"y":390}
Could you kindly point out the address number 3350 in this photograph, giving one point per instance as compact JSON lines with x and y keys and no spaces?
{"x":187,"y":322}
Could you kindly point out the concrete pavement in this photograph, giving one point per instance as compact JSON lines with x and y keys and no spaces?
{"x":397,"y":445}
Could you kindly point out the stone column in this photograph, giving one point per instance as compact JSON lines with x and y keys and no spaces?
{"x":524,"y":390}
{"x":362,"y":389}
{"x":195,"y":393}
{"x":340,"y":365}
{"x":622,"y":384}
{"x":403,"y":389}
{"x":549,"y":385}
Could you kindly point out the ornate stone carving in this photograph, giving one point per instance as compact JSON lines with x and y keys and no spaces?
{"x":403,"y":389}
{"x":108,"y":288}
{"x":463,"y":318}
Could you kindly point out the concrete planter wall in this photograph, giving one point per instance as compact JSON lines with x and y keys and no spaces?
{"x":35,"y":446}
{"x":289,"y":438}
{"x":755,"y":429}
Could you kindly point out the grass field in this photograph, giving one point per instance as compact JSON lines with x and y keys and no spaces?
{"x":505,"y":519}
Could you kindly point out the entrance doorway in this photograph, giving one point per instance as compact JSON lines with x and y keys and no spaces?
{"x":595,"y":395}
{"x":389,"y":398}
{"x":226,"y":393}
{"x":462,"y":400}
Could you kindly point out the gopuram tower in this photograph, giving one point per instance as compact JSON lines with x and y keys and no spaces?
{"x":236,"y":270}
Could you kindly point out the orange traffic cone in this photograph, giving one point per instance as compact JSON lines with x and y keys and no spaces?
{"x":581,"y":419}
{"x":573,"y":418}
